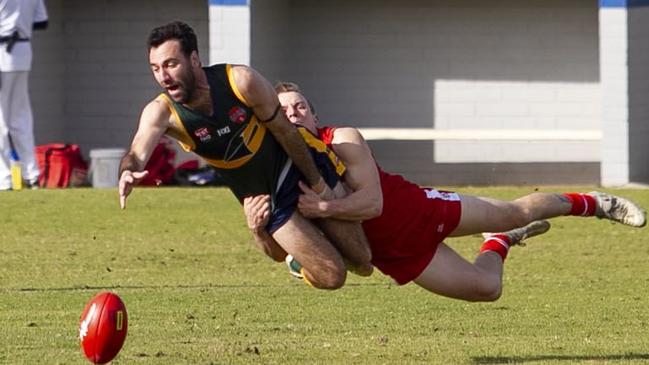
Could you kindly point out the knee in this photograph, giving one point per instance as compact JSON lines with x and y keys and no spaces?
{"x":331,"y":282}
{"x":488,"y":290}
{"x":366,"y":258}
{"x":329,"y":278}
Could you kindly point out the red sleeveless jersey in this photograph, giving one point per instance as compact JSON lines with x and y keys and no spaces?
{"x":404,"y":238}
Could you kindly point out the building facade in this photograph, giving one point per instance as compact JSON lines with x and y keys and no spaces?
{"x":446,"y":91}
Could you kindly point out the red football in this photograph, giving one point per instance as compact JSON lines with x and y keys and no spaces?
{"x":102,"y":329}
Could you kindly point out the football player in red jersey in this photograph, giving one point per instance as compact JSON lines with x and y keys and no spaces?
{"x":406,"y":224}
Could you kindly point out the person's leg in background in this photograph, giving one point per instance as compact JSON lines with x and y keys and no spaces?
{"x":5,"y":149}
{"x":21,"y":125}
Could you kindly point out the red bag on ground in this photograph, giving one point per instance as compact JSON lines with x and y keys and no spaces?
{"x":61,"y":165}
{"x":161,"y":165}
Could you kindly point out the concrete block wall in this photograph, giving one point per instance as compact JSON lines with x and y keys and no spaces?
{"x":101,"y":74}
{"x":525,"y":66}
{"x":47,"y":78}
{"x":511,"y":106}
{"x":448,"y":65}
{"x":107,"y":74}
{"x":638,"y":70}
{"x":380,"y":63}
{"x":445,"y":65}
{"x":270,"y":23}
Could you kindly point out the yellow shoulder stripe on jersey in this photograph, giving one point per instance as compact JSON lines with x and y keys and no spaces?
{"x":313,"y":142}
{"x":183,"y":138}
{"x":233,"y":85}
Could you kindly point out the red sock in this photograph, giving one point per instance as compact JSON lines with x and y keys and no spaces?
{"x":582,"y":204}
{"x":498,"y":243}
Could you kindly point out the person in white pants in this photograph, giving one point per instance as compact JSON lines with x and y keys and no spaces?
{"x":17,"y":20}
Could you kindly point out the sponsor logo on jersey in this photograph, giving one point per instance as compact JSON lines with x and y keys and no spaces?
{"x":203,"y":134}
{"x":223,"y":131}
{"x":237,"y":114}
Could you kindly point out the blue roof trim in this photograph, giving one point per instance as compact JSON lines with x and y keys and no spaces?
{"x":622,"y":3}
{"x":229,"y":2}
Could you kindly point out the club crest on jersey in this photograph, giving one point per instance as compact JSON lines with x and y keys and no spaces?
{"x":237,"y":114}
{"x":203,"y":134}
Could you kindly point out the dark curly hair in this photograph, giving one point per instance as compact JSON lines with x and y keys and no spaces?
{"x":175,"y":30}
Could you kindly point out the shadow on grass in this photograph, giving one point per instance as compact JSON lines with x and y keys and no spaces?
{"x":533,"y":358}
{"x":203,"y":286}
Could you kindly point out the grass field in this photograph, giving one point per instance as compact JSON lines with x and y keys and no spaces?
{"x":197,"y":292}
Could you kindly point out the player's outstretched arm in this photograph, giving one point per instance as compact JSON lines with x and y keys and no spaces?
{"x":262,"y":98}
{"x":365,"y":201}
{"x":154,"y":122}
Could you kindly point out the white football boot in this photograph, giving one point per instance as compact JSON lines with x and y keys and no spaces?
{"x":294,"y":267}
{"x":618,"y":209}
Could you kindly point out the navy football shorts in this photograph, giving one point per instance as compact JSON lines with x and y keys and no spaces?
{"x":284,"y":201}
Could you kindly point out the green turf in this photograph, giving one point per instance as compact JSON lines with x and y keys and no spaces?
{"x":197,"y":292}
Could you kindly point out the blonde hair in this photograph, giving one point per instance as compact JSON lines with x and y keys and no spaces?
{"x":287,"y":86}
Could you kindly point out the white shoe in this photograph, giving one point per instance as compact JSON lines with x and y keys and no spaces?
{"x":518,"y":235}
{"x":618,"y":209}
{"x":294,"y":267}
{"x":31,"y":184}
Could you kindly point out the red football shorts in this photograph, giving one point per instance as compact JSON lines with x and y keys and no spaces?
{"x":413,"y":223}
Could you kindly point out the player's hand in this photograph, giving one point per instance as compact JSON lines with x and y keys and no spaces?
{"x":257,"y":210}
{"x":311,"y":204}
{"x":126,"y":183}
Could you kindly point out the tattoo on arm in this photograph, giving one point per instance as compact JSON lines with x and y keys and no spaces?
{"x":563,"y":198}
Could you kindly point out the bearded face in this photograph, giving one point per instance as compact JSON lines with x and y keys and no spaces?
{"x":172,"y":70}
{"x":181,"y":87}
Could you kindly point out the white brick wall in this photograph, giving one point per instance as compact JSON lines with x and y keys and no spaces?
{"x":229,"y":34}
{"x":614,"y":79}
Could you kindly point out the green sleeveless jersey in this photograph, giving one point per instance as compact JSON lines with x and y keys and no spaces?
{"x":232,"y":140}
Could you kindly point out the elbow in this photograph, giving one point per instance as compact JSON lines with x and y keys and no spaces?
{"x":376,"y":209}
